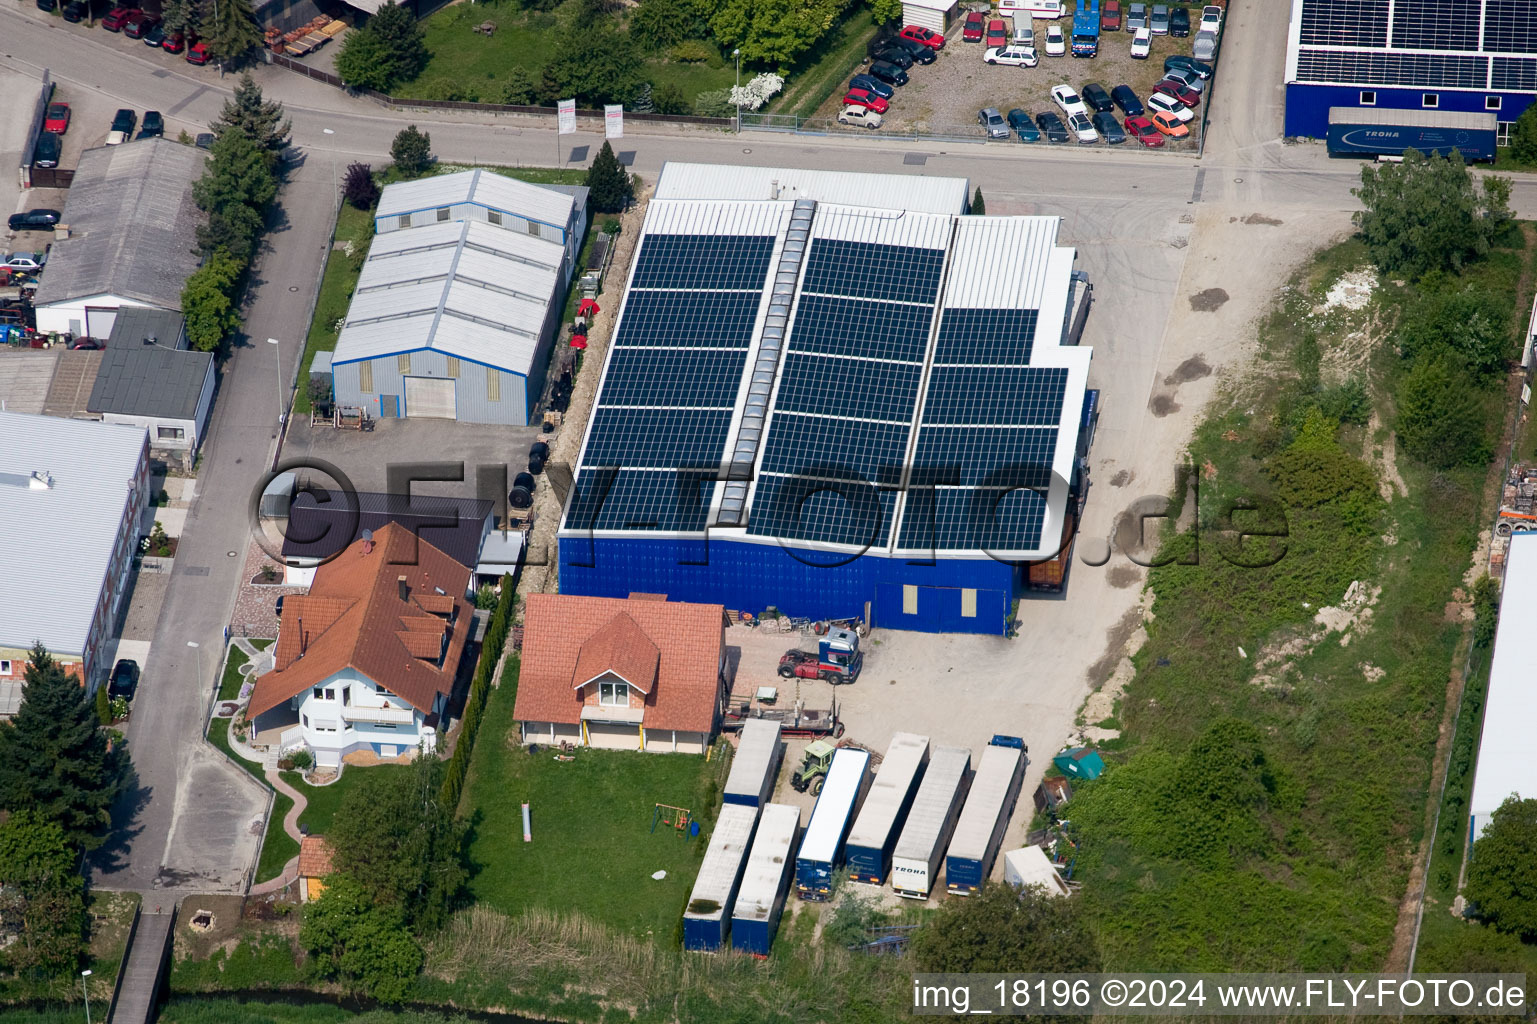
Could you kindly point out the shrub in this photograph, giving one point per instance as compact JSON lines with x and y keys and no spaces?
{"x":1523,"y":137}
{"x":1441,"y":415}
{"x":714,"y":103}
{"x":1486,"y":610}
{"x":412,"y":151}
{"x":103,"y":706}
{"x":520,"y":89}
{"x":1424,"y":214}
{"x":692,"y":51}
{"x":359,"y":187}
{"x":668,"y":98}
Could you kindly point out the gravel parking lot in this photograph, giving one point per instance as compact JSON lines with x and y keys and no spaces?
{"x":947,"y":94}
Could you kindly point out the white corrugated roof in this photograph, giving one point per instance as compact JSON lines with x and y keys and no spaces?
{"x":715,"y":217}
{"x":1001,"y":262}
{"x":428,"y":287}
{"x":1505,"y":762}
{"x":918,"y":192}
{"x":58,"y":541}
{"x":840,"y":791}
{"x":721,"y":868}
{"x":484,"y":187}
{"x":904,"y":760}
{"x":931,"y":5}
{"x":882,"y":227}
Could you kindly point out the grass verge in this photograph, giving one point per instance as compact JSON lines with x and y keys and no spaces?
{"x":827,"y":67}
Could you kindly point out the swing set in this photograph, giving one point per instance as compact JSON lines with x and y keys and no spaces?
{"x":677,"y":818}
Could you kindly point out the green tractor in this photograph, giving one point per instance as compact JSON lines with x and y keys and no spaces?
{"x":813,"y":770}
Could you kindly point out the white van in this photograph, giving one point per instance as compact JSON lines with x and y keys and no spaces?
{"x":1034,"y":8}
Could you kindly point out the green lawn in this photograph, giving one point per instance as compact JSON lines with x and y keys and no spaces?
{"x":279,"y":847}
{"x":323,"y":801}
{"x":229,"y":684}
{"x":341,"y":277}
{"x":592,"y":851}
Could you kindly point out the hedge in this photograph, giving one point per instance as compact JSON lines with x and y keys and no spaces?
{"x":480,"y":689}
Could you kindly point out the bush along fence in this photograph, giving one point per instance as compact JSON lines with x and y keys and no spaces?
{"x":485,"y":108}
{"x":480,"y":689}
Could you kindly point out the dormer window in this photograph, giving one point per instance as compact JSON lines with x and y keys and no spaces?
{"x":614,"y":694}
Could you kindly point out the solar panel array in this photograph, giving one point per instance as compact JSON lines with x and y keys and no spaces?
{"x":842,"y":419}
{"x":1434,"y":70}
{"x":671,"y":383}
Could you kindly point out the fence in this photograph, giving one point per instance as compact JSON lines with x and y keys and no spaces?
{"x":921,"y":132}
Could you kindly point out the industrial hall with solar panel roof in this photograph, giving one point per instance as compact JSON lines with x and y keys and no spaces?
{"x":834,"y":394}
{"x":1455,"y":56}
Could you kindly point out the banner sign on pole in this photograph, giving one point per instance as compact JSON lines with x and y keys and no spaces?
{"x":613,"y":121}
{"x":566,"y":117}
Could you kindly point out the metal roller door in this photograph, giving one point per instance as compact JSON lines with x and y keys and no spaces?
{"x":913,"y":14}
{"x":430,"y":397}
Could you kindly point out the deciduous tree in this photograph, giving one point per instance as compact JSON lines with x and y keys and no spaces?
{"x":1003,"y":929}
{"x":610,"y":189}
{"x":352,"y":938}
{"x":359,"y":187}
{"x":365,"y":62}
{"x":1442,"y":417}
{"x":1503,"y":866}
{"x":1469,"y":322}
{"x":1426,"y":214}
{"x":411,"y":151}
{"x":207,"y":301}
{"x":1523,"y":137}
{"x":42,"y":899}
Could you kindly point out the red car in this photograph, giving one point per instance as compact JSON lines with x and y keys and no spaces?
{"x":175,"y":42}
{"x":1110,"y":16}
{"x":136,"y":25}
{"x":974,"y":26}
{"x":927,"y":36}
{"x":57,"y":118}
{"x":199,"y":54}
{"x":997,"y":33}
{"x":864,"y":98}
{"x":1144,"y":131}
{"x":117,"y":17}
{"x":1169,"y":87}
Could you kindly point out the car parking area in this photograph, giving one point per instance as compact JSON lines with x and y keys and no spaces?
{"x":943,"y":98}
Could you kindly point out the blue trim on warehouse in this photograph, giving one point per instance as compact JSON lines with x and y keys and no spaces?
{"x":434,"y":351}
{"x":380,"y":218}
{"x":754,"y":576}
{"x":1307,"y":104}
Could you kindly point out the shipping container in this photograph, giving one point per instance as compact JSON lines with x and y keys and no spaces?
{"x":879,"y":824}
{"x":761,"y":898}
{"x":751,"y":781}
{"x":821,"y":850}
{"x":707,"y":920}
{"x":1378,"y":132}
{"x":979,"y":832}
{"x":1030,"y":866}
{"x":915,"y":863}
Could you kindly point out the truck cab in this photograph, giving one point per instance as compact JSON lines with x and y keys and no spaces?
{"x":1086,"y":29}
{"x":838,"y":659}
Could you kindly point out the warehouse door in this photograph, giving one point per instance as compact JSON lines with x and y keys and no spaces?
{"x":912,"y":14}
{"x":940,"y":609}
{"x":430,"y":397}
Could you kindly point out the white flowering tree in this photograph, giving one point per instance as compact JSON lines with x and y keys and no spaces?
{"x":756,"y":92}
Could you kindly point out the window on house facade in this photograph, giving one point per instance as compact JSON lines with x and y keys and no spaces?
{"x":5,"y":668}
{"x":443,"y":214}
{"x":366,"y":375}
{"x":384,"y":725}
{"x":493,"y":384}
{"x":1430,"y":100}
{"x":494,"y":217}
{"x":347,"y":697}
{"x":533,"y":229}
{"x":325,"y":693}
{"x":403,"y":221}
{"x":304,"y":720}
{"x":1491,"y":103}
{"x":171,"y":433}
{"x":1368,"y":98}
{"x":614,"y":695}
{"x":403,"y":362}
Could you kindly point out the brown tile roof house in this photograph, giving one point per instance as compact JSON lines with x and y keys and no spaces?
{"x":314,"y":865}
{"x":394,"y":623}
{"x":669,"y":652}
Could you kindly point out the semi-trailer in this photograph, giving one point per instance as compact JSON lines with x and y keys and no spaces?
{"x":751,"y":781}
{"x":707,"y":918}
{"x":921,"y":847}
{"x":761,"y":898}
{"x":1383,"y":131}
{"x":876,"y":830}
{"x":985,"y":818}
{"x":821,"y":851}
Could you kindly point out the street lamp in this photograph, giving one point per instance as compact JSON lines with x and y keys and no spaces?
{"x":737,"y":53}
{"x":277,"y":373}
{"x":87,"y":993}
{"x":197,"y":659}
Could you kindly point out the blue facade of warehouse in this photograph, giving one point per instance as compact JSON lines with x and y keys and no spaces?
{"x":1307,"y":104}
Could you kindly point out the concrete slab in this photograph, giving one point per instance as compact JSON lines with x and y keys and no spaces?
{"x":136,"y":650}
{"x":171,"y":519}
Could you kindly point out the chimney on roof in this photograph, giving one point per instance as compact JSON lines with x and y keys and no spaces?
{"x":302,"y":637}
{"x":405,"y":591}
{"x":41,"y":480}
{"x":368,"y":542}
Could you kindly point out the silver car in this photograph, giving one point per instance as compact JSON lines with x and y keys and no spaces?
{"x":1136,"y":17}
{"x":1205,"y":46}
{"x":993,"y":122}
{"x":1160,"y":20}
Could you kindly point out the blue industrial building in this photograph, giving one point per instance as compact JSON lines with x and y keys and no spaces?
{"x":1451,"y":55}
{"x":835,"y":395}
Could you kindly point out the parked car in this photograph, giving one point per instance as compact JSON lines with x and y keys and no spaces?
{"x":1108,"y":127}
{"x":1067,"y":100}
{"x":1205,"y":46}
{"x":1211,"y":18}
{"x":47,"y":5}
{"x":1051,"y":126}
{"x":154,"y":125}
{"x":204,"y":140}
{"x":1170,"y":125}
{"x":76,"y":10}
{"x":859,"y":98}
{"x":1056,"y":42}
{"x":997,"y":33}
{"x":1096,"y":97}
{"x":125,"y":678}
{"x":1158,"y":21}
{"x":46,"y":153}
{"x":993,"y":123}
{"x":1141,"y":44}
{"x":1110,"y":16}
{"x":1179,"y":22}
{"x":1169,"y":87}
{"x":123,"y":123}
{"x":117,"y":17}
{"x":917,"y":51}
{"x":87,"y":345}
{"x":1136,"y":17}
{"x":34,"y":220}
{"x":874,"y":86}
{"x":198,"y":54}
{"x":26,"y":262}
{"x":175,"y":42}
{"x":1018,"y":56}
{"x":1144,"y":131}
{"x":923,"y":36}
{"x":1083,"y":128}
{"x":1023,"y":126}
{"x":279,"y":606}
{"x":859,"y":116}
{"x":1162,"y":102}
{"x":1179,"y":60}
{"x":136,"y":25}
{"x":57,"y":118}
{"x":888,"y":72}
{"x":892,"y":55}
{"x":973,"y":27}
{"x":156,"y":36}
{"x":1126,"y":98}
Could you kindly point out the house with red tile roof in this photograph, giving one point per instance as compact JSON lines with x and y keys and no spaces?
{"x":365,"y":662}
{"x":315,"y":855}
{"x":636,"y":673}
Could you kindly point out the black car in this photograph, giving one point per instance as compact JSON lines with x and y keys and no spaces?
{"x":874,"y":86}
{"x":1127,"y":100}
{"x":1179,"y":60}
{"x":155,"y":36}
{"x":48,"y":149}
{"x":1179,"y":22}
{"x":125,"y":678}
{"x":204,"y":140}
{"x":154,"y":125}
{"x":1109,"y":128}
{"x":48,"y":5}
{"x":888,"y":72}
{"x":1096,"y":97}
{"x":1021,"y":123}
{"x":895,"y":55}
{"x":76,"y":10}
{"x":1052,"y":127}
{"x":916,"y":50}
{"x":34,"y":220}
